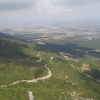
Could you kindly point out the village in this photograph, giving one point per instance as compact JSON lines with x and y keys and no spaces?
{"x":68,"y":56}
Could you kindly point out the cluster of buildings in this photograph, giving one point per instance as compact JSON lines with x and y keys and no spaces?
{"x":68,"y":56}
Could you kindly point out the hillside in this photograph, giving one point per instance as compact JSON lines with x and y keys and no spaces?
{"x":70,"y":80}
{"x":17,"y":61}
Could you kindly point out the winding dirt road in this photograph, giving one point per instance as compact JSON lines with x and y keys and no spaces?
{"x":31,"y":95}
{"x":33,"y":80}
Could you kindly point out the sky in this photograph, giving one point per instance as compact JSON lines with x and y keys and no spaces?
{"x":48,"y":10}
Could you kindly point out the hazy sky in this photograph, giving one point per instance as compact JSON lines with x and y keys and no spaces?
{"x":47,"y":10}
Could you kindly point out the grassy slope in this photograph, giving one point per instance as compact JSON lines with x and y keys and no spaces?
{"x":18,"y":61}
{"x":66,"y":83}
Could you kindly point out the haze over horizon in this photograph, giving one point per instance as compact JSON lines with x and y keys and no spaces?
{"x":48,"y":10}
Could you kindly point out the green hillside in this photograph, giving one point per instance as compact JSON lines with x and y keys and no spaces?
{"x":20,"y":61}
{"x":17,"y":61}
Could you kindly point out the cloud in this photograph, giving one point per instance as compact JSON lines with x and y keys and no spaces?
{"x":16,"y":4}
{"x":34,"y":9}
{"x":39,"y":6}
{"x":69,"y":10}
{"x":75,"y":2}
{"x":57,"y":9}
{"x":45,"y":6}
